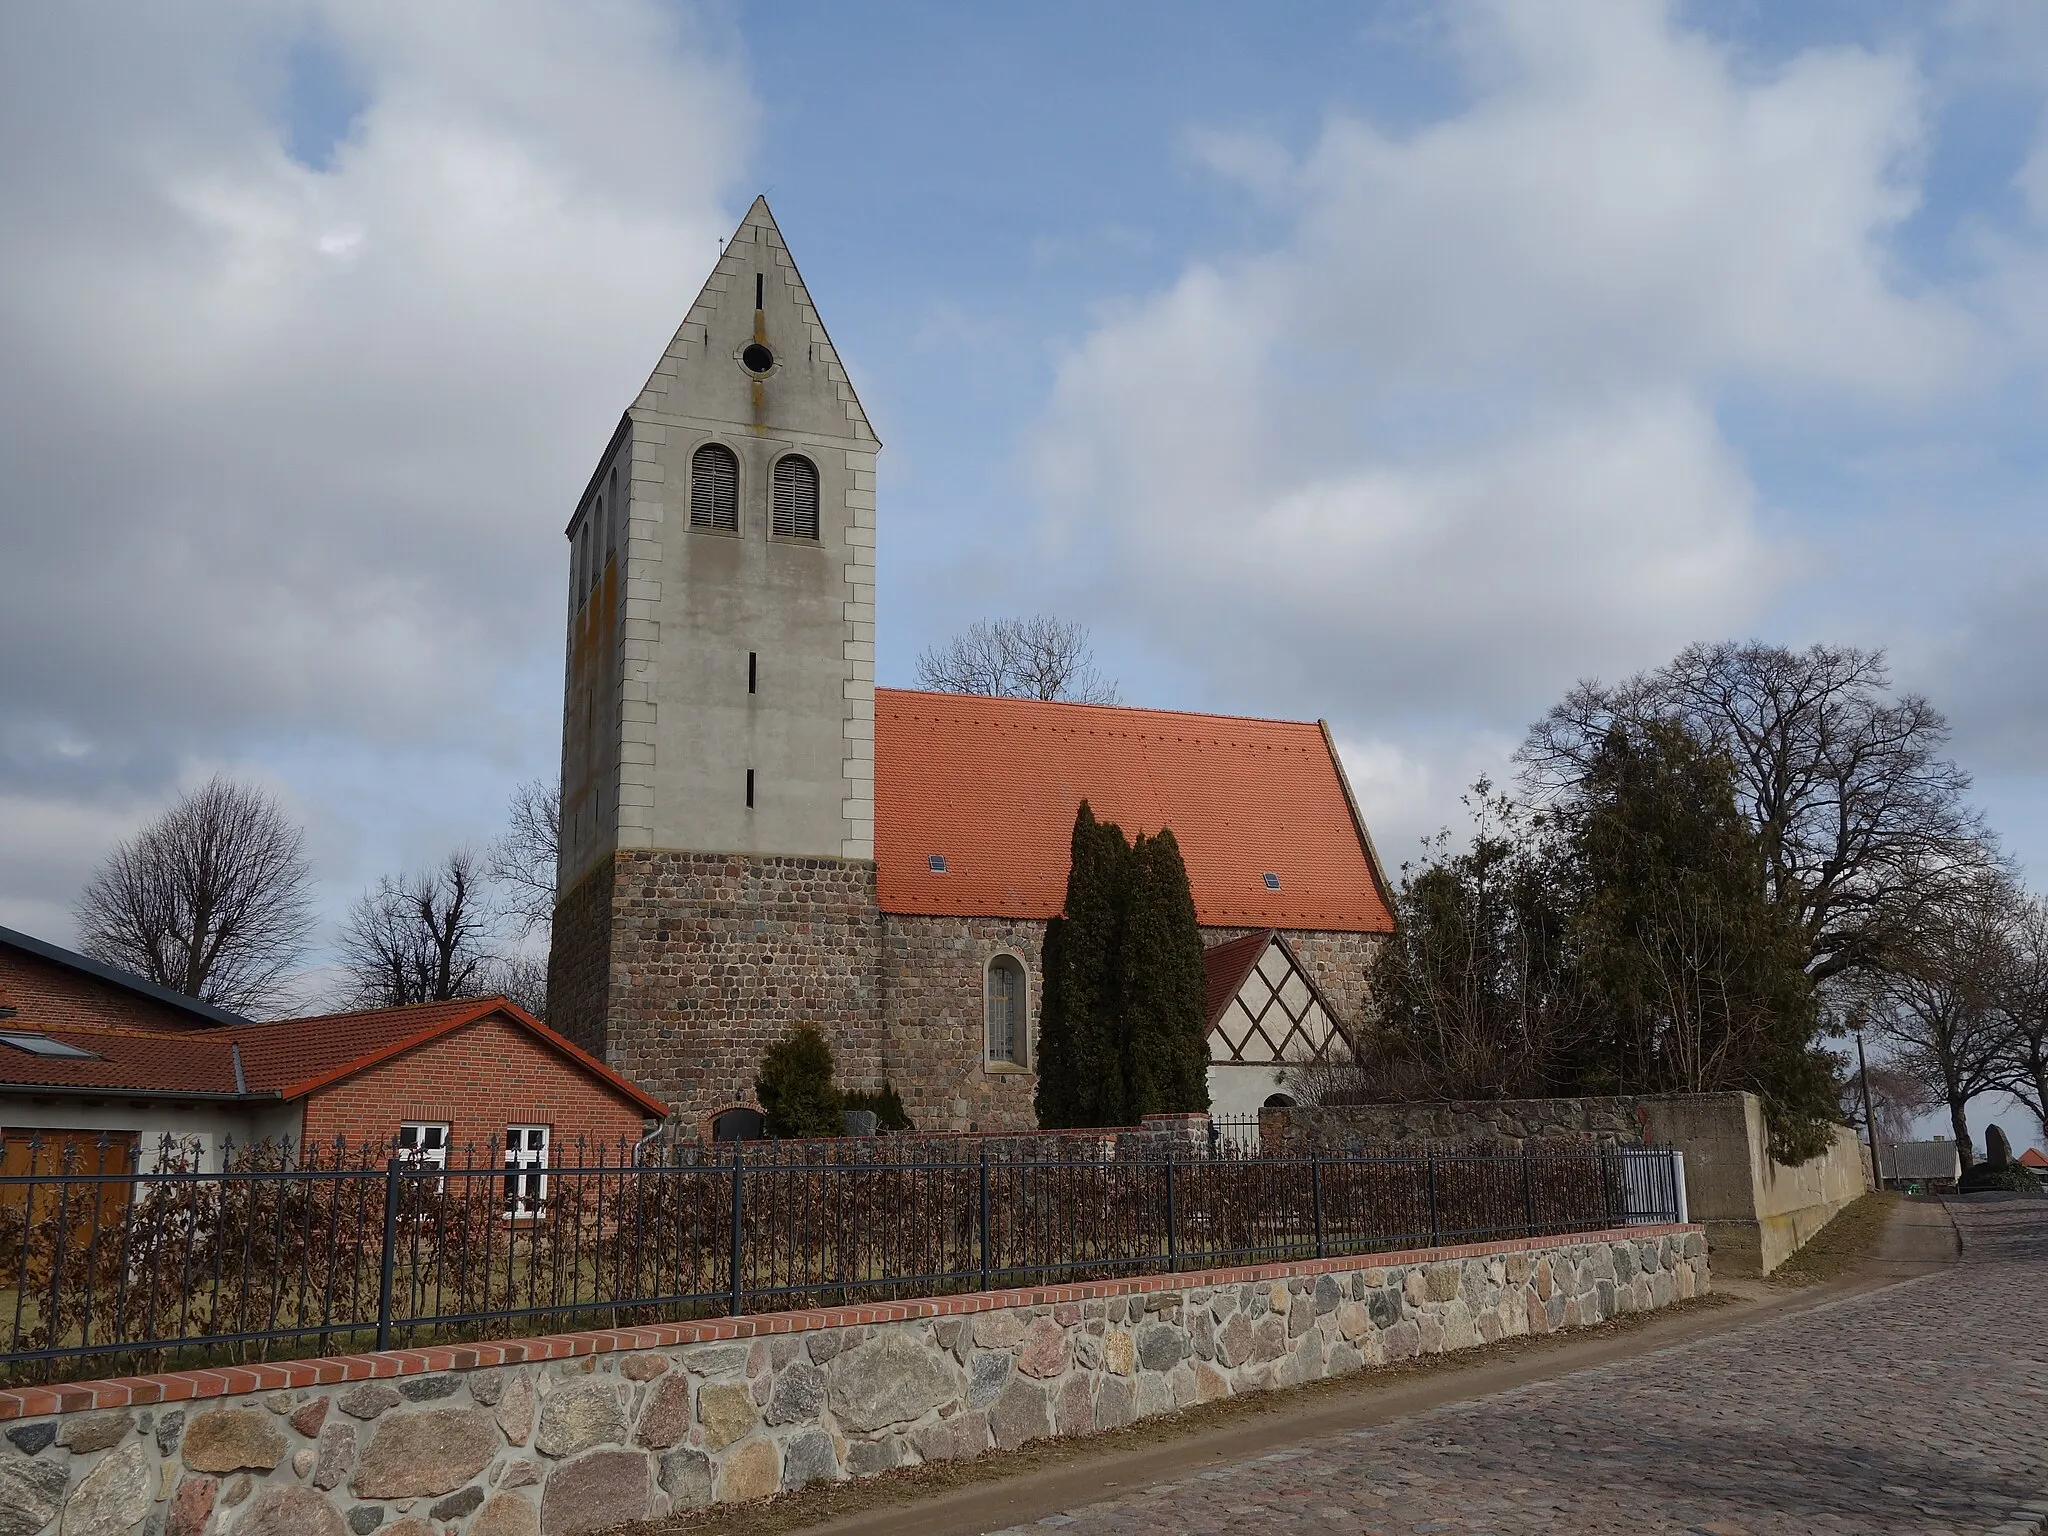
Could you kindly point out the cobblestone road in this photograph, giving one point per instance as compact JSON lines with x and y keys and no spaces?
{"x":1919,"y":1409}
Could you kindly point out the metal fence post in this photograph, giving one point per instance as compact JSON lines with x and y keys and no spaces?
{"x":1172,"y":1216}
{"x":384,"y":1278}
{"x":1607,"y":1185}
{"x":1529,"y":1189}
{"x":1315,"y":1194}
{"x":984,"y":1217}
{"x":739,"y":1189}
{"x":1430,"y":1158}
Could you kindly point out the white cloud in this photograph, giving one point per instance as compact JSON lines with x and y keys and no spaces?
{"x":286,"y":453}
{"x":1452,"y":438}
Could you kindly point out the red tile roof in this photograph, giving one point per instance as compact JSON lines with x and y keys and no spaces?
{"x":992,"y":785}
{"x":2032,"y":1158}
{"x":287,"y":1059}
{"x":1225,"y":967}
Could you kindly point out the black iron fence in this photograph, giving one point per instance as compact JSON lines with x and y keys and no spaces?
{"x":113,"y":1266}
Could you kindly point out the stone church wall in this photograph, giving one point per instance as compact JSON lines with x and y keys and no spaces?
{"x":932,"y":1011}
{"x":714,"y":957}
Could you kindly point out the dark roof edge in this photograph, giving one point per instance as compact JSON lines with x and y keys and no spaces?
{"x":1372,"y":853}
{"x":127,"y":980}
{"x":192,"y":1095}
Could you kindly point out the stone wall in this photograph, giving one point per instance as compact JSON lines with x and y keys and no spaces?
{"x":1757,"y":1212}
{"x":574,"y":1434}
{"x":714,"y":957}
{"x":1356,"y":1127}
{"x":932,"y":1013}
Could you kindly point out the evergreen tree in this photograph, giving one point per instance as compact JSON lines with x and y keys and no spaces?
{"x":1080,"y":1057}
{"x":795,"y":1086}
{"x":1698,"y":980}
{"x":1165,"y":1038}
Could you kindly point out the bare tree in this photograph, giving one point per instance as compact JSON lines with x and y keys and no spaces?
{"x":211,"y":899}
{"x":521,"y":978}
{"x":1897,"y":1100}
{"x":523,"y":860}
{"x":1036,"y":658}
{"x":1859,"y":812}
{"x":421,"y":938}
{"x":1940,"y":1002}
{"x":2025,"y":1074}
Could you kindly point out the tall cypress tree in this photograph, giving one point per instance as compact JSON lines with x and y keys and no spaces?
{"x":1080,"y":1071}
{"x":1164,"y":988}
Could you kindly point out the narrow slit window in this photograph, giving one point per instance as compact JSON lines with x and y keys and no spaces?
{"x":758,"y":285}
{"x":796,"y":497}
{"x":753,"y":670}
{"x":1004,"y":994}
{"x":750,"y":789}
{"x":715,"y":488}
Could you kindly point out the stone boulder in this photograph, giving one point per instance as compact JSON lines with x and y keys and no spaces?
{"x":113,"y":1497}
{"x":426,"y":1452}
{"x":290,"y":1512}
{"x":580,"y":1418}
{"x":891,"y":1379}
{"x":30,"y":1493}
{"x":597,"y":1491}
{"x":234,"y":1439}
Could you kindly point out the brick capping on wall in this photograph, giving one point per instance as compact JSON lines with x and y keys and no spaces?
{"x":228,"y":1381}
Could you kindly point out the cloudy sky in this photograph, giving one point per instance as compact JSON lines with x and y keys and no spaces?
{"x":1397,"y":363}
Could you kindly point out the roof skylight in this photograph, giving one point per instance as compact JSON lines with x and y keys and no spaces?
{"x":43,"y":1045}
{"x":1272,"y":881}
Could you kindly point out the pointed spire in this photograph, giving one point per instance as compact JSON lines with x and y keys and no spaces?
{"x":754,"y":257}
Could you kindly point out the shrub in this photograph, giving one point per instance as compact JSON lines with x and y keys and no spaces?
{"x":2011,"y":1177}
{"x":795,"y":1086}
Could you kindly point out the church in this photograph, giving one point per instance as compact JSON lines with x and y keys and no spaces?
{"x":754,"y":836}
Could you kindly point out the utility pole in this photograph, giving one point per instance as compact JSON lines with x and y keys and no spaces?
{"x":1869,"y":1119}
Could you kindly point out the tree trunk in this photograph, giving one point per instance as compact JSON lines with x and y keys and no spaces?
{"x":1960,"y":1121}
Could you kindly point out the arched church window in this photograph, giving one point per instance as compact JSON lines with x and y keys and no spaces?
{"x":796,"y":497}
{"x":715,"y":488}
{"x":1004,"y":987}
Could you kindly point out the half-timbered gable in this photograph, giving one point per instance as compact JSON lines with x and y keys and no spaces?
{"x":1266,"y":1014}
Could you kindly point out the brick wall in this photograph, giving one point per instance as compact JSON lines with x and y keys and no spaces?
{"x":932,"y":1014}
{"x":714,"y":957}
{"x":51,"y":996}
{"x":479,"y":1080}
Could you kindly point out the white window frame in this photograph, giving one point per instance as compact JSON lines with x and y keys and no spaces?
{"x":526,"y":1150}
{"x":435,"y":1156}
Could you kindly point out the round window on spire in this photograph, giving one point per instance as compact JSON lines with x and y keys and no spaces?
{"x":757,"y":358}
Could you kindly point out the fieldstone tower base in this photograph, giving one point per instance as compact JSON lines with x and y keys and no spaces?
{"x":708,"y":959}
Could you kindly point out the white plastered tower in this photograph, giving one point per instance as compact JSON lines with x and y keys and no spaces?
{"x":720,"y":689}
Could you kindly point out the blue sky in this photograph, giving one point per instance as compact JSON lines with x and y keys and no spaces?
{"x":1394,"y":363}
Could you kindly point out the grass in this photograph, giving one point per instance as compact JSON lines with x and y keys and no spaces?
{"x":1853,"y":1236}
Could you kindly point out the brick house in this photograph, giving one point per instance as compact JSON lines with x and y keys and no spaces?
{"x":755,"y":836}
{"x":86,"y":1061}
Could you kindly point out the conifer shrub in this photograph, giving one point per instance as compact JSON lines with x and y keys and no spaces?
{"x":795,"y":1088}
{"x":1123,"y":1012}
{"x":1165,"y":989}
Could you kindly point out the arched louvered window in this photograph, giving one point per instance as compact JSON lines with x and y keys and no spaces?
{"x":796,"y":497}
{"x":715,"y":488}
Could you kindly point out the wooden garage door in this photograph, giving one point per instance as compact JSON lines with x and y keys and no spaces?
{"x":108,"y":1157}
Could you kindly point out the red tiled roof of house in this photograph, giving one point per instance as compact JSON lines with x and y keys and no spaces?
{"x":298,"y":1056}
{"x":2032,"y":1158}
{"x":287,"y":1059}
{"x":197,"y":1062}
{"x":992,"y":787}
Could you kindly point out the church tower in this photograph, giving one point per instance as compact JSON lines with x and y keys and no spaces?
{"x":716,"y":873}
